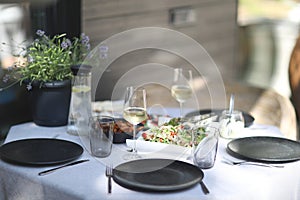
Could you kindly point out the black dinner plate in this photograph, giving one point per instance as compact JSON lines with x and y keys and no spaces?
{"x":157,"y":175}
{"x":40,"y":151}
{"x":249,"y":119}
{"x":265,"y":149}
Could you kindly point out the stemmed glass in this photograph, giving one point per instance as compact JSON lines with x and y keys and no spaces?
{"x":134,"y":112}
{"x":181,"y":89}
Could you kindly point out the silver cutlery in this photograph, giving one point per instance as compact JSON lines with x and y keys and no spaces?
{"x":231,"y":162}
{"x":201,"y":119}
{"x":109,"y":174}
{"x":204,"y":187}
{"x":62,"y":166}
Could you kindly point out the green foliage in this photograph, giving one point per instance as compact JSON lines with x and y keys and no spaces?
{"x":49,"y":59}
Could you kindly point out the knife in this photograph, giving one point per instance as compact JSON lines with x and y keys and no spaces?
{"x":66,"y":165}
{"x":204,"y":187}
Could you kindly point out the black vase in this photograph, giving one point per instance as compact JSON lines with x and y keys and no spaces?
{"x":50,"y":103}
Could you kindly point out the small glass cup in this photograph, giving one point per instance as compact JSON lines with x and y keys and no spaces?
{"x":204,"y":155}
{"x":101,"y":135}
{"x":232,"y":123}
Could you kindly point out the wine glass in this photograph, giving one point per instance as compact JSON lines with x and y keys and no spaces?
{"x":134,"y":112}
{"x":181,"y":89}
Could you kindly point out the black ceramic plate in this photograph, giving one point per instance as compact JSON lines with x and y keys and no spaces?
{"x":265,"y":149}
{"x":40,"y":151}
{"x":249,"y":119}
{"x":157,"y":175}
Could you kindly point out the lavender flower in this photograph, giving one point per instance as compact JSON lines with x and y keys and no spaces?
{"x":40,"y":33}
{"x":29,"y":86}
{"x":64,"y":45}
{"x":69,"y":42}
{"x":88,"y":46}
{"x":103,"y":55}
{"x":103,"y":48}
{"x":6,"y":78}
{"x":85,"y":39}
{"x":103,"y":51}
{"x":30,"y":59}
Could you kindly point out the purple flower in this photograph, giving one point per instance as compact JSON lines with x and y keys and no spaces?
{"x":103,"y":55}
{"x":6,"y":78}
{"x":88,"y":47}
{"x":29,"y":86}
{"x":40,"y":33}
{"x":64,"y":45}
{"x":30,"y":59}
{"x":85,"y":39}
{"x":69,"y":42}
{"x":103,"y":51}
{"x":103,"y":48}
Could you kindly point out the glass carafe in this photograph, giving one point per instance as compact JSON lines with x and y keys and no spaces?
{"x":80,"y":105}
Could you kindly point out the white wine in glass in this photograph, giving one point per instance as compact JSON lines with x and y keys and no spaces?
{"x":181,"y":92}
{"x":134,"y":115}
{"x":134,"y":112}
{"x":181,"y":89}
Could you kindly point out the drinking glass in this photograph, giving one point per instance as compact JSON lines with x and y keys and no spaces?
{"x":204,"y":155}
{"x":181,"y":89}
{"x":134,"y":112}
{"x":101,"y":135}
{"x":232,"y":123}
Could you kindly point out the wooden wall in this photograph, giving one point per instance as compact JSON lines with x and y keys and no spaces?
{"x":214,"y":26}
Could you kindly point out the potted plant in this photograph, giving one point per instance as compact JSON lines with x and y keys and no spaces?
{"x":45,"y":67}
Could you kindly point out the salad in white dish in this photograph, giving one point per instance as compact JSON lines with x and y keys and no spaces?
{"x":174,"y":132}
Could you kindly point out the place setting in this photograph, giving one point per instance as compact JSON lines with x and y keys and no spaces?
{"x":265,"y":149}
{"x":40,"y":151}
{"x":164,"y":158}
{"x":261,"y":151}
{"x":149,"y":172}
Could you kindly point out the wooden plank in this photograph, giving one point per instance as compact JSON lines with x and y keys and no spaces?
{"x":207,"y":27}
{"x":108,"y":8}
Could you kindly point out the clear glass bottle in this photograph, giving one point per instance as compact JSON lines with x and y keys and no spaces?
{"x":80,"y":105}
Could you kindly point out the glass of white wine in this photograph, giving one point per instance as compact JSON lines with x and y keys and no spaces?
{"x":181,"y":88}
{"x":134,"y":112}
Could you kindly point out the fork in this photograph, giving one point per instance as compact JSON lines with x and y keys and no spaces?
{"x":230,"y":162}
{"x":109,"y":174}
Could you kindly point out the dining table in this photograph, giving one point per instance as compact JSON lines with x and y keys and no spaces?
{"x":87,"y":180}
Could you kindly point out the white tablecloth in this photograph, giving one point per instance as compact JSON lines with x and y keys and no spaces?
{"x":87,"y":180}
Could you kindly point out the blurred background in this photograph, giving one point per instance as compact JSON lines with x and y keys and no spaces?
{"x":268,"y":30}
{"x":249,"y":40}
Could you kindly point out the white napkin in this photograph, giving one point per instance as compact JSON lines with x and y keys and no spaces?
{"x":160,"y":150}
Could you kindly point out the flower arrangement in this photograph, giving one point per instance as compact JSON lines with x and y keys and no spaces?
{"x":49,"y":59}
